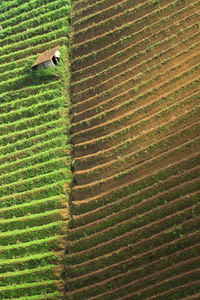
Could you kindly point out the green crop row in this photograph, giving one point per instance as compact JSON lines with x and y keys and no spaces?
{"x":58,"y":35}
{"x":36,"y":143}
{"x":33,"y":110}
{"x":35,"y":182}
{"x":37,"y":120}
{"x":34,"y":151}
{"x":39,"y":157}
{"x":40,"y":97}
{"x":54,"y":296}
{"x":13,"y":137}
{"x":29,"y":275}
{"x":34,"y":171}
{"x":21,"y":93}
{"x":27,"y":38}
{"x":32,"y":233}
{"x":22,"y":263}
{"x":35,"y":207}
{"x":10,"y":33}
{"x":34,"y":247}
{"x":31,"y":220}
{"x":28,"y":289}
{"x":12,"y":74}
{"x":25,"y":8}
{"x":13,"y":20}
{"x":36,"y":193}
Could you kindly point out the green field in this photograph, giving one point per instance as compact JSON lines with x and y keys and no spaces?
{"x":34,"y":150}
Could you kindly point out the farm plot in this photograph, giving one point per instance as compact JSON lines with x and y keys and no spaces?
{"x":135,"y":134}
{"x":34,"y":150}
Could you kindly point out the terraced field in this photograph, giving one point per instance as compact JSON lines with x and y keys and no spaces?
{"x":34,"y":150}
{"x":131,"y":229}
{"x":135,"y":132}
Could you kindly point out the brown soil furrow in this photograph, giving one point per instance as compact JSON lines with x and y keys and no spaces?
{"x":124,"y":161}
{"x":82,"y":7}
{"x":102,"y":123}
{"x":138,"y":285}
{"x":96,"y":215}
{"x":111,"y":233}
{"x":109,"y":29}
{"x":122,"y":48}
{"x":135,"y":146}
{"x":127,"y":12}
{"x":82,"y":49}
{"x":131,"y":146}
{"x":112,"y":242}
{"x":165,"y":210}
{"x":89,"y":161}
{"x":155,"y":201}
{"x":148,"y":268}
{"x":114,"y":94}
{"x":196,"y":296}
{"x":92,"y":9}
{"x":87,"y":26}
{"x":185,"y":287}
{"x":103,"y":52}
{"x":144,"y":83}
{"x":132,"y":131}
{"x":108,"y":195}
{"x":141,"y":257}
{"x":121,"y":66}
{"x":91,"y":91}
{"x":171,"y":239}
{"x":180,"y":280}
{"x":148,"y":167}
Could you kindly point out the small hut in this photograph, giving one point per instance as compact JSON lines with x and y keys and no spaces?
{"x":49,"y":58}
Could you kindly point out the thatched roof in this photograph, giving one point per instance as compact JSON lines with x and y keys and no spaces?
{"x":46,"y":56}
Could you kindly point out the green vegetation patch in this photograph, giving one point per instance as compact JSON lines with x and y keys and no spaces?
{"x":34,"y":150}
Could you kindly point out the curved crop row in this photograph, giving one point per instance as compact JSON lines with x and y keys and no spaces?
{"x":135,"y":134}
{"x":34,"y":150}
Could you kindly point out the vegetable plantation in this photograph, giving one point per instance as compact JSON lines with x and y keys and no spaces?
{"x":99,"y":155}
{"x":135,"y":133}
{"x":34,"y":150}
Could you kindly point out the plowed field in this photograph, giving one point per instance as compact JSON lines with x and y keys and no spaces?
{"x":135,"y":73}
